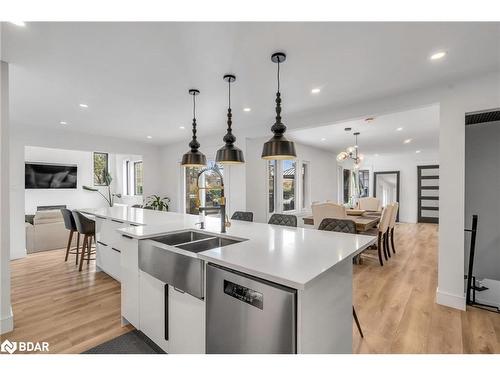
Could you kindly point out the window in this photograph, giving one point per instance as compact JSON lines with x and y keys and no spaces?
{"x":101,"y":168}
{"x":271,"y":177}
{"x":289,"y":185}
{"x":138,"y":178}
{"x":347,"y":175}
{"x":364,"y":181}
{"x":209,"y":197}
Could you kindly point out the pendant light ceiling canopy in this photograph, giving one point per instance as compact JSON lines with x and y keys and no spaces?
{"x":194,"y":158}
{"x":278,"y":147}
{"x":229,"y":153}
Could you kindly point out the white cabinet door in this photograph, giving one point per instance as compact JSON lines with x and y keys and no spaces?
{"x":129,"y":278}
{"x":152,"y":309}
{"x":108,"y":259}
{"x":186,"y":323}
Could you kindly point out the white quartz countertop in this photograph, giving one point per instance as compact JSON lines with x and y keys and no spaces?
{"x":285,"y":255}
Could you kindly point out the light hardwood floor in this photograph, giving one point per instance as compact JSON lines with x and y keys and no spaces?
{"x":396,"y":304}
{"x":75,"y":311}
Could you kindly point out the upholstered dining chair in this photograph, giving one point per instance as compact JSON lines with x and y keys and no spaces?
{"x":369,"y":204}
{"x":282,"y":219}
{"x":382,"y":235}
{"x":327,"y":210}
{"x":242,"y":215}
{"x":392,"y":224}
{"x":69,"y":223}
{"x":86,"y":227}
{"x":344,"y":226}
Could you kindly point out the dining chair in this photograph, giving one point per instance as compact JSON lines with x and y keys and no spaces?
{"x":382,"y":236}
{"x":282,"y":219}
{"x":242,"y":215}
{"x":369,"y":204}
{"x":86,"y":227}
{"x":69,"y":224}
{"x":343,"y":226}
{"x":392,"y":224}
{"x":327,"y":210}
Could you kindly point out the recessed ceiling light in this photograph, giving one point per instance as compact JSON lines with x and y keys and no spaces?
{"x":407,"y":140}
{"x":418,"y":152}
{"x":323,"y":139}
{"x":247,"y":109}
{"x":315,"y":91}
{"x":399,"y":129}
{"x":63,"y":123}
{"x":182,"y":127}
{"x":438,"y":55}
{"x":149,"y":137}
{"x":18,"y":23}
{"x":84,"y":105}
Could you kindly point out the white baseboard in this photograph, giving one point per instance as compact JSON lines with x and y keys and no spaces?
{"x":451,"y":300}
{"x":7,"y":323}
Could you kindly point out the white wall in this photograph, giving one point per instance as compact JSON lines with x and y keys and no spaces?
{"x":72,"y":198}
{"x":322,"y":168}
{"x":234,"y":176}
{"x":6,"y":318}
{"x":482,"y":186}
{"x":406,"y":164}
{"x":22,"y":136}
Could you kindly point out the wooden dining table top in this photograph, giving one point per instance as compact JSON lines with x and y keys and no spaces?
{"x":363,"y":223}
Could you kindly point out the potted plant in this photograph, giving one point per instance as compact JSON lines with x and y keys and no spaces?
{"x":157,"y":203}
{"x":107,"y":183}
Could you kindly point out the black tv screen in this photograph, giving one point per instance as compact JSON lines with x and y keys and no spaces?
{"x":49,"y":176}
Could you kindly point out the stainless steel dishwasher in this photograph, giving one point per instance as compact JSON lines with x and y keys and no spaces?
{"x":245,"y":314}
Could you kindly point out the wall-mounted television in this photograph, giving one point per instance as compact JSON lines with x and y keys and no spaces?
{"x":49,"y":176}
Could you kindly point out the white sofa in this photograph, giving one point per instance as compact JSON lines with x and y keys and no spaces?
{"x":47,"y":232}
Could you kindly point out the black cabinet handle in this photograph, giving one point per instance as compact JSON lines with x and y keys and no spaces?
{"x":100,"y":217}
{"x":135,"y":225}
{"x":115,"y":249}
{"x":166,"y":312}
{"x":101,"y":243}
{"x":117,"y":221}
{"x":126,"y":236}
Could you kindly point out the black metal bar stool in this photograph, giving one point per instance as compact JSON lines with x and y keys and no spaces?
{"x":86,"y":227}
{"x":69,"y":223}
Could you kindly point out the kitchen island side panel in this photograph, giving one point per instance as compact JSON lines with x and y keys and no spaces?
{"x":324,"y":312}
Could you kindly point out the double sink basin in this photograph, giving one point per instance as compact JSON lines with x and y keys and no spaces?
{"x":184,"y":272}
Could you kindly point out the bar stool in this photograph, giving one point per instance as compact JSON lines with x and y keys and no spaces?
{"x":69,"y":223}
{"x":86,"y":227}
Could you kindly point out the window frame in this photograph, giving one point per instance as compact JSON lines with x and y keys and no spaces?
{"x":135,"y":177}
{"x":106,"y":168}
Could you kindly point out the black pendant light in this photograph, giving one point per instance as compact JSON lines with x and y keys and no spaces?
{"x":229,"y":153}
{"x":194,"y":158}
{"x":278,"y":147}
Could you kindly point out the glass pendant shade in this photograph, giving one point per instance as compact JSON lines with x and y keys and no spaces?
{"x":229,"y":153}
{"x":278,"y":147}
{"x":342,"y":156}
{"x":194,"y":158}
{"x":350,"y":149}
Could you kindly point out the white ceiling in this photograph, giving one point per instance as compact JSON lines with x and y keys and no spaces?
{"x":380,"y":136}
{"x":135,"y":76}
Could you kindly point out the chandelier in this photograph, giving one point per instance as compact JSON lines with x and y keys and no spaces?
{"x":352,"y":153}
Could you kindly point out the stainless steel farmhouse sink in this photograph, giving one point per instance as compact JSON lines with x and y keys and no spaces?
{"x":181,"y":271}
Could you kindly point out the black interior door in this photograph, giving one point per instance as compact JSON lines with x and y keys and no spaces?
{"x":428,"y":193}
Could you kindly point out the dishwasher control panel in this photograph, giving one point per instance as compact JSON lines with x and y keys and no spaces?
{"x":244,"y":294}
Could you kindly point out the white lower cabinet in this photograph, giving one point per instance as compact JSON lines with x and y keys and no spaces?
{"x":108,"y":259}
{"x":152,"y":309}
{"x":129,"y":278}
{"x":186,"y":323}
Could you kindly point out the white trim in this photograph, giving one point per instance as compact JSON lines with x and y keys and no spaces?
{"x":7,"y":323}
{"x":450,"y":300}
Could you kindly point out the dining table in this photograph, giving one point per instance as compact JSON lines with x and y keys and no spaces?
{"x":364,"y":222}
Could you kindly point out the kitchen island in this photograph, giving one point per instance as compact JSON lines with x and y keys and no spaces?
{"x":180,"y":308}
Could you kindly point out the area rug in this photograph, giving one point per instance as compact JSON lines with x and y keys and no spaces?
{"x":134,"y":342}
